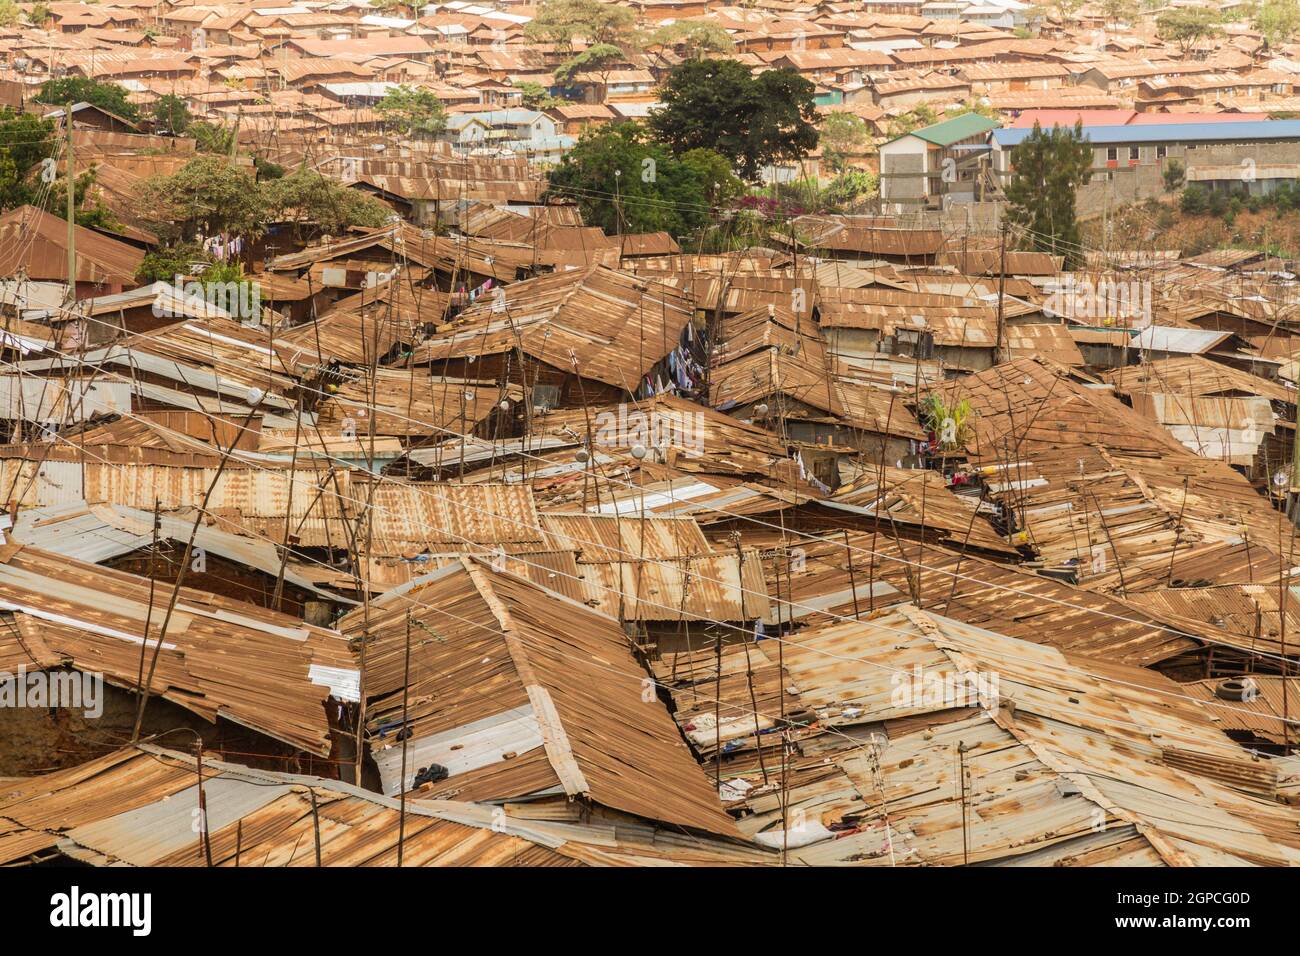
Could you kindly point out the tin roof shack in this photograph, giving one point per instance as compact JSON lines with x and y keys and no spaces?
{"x":135,"y":807}
{"x":572,"y":339}
{"x":280,"y":682}
{"x":913,"y":504}
{"x":1252,"y":710}
{"x":231,"y":565}
{"x":35,"y":244}
{"x":1087,"y":483}
{"x":854,"y":574}
{"x":861,"y":237}
{"x":1217,"y":411}
{"x":957,"y":331}
{"x":772,"y":368}
{"x":90,"y":116}
{"x":1227,"y":348}
{"x":519,"y":694}
{"x":674,"y":432}
{"x":349,"y":264}
{"x":898,"y":710}
{"x":659,"y":576}
{"x":379,"y":321}
{"x":216,"y":366}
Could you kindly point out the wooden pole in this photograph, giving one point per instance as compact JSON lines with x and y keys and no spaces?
{"x":406,"y":735}
{"x":72,"y":213}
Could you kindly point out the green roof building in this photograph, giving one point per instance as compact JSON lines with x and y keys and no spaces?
{"x":934,"y":166}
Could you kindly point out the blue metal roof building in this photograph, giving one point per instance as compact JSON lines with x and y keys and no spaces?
{"x":1256,"y":132}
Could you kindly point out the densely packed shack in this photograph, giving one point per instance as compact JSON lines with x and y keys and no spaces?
{"x":431,"y":435}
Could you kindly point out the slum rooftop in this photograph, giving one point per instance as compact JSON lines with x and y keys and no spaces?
{"x":482,"y":534}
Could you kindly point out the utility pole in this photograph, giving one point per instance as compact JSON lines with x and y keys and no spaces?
{"x":234,"y":138}
{"x":1002,"y":291}
{"x":1289,"y":502}
{"x":72,"y":219}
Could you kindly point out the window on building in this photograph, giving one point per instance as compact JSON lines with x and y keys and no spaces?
{"x":1112,"y":153}
{"x":546,"y":396}
{"x":1162,"y":152}
{"x":1134,"y":153}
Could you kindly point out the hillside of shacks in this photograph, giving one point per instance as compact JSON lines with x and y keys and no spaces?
{"x":424,"y":441}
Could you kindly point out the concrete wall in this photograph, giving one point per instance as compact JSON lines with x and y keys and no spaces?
{"x":903,"y":171}
{"x":1126,"y":182}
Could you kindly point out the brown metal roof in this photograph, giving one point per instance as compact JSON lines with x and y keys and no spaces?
{"x":538,"y":692}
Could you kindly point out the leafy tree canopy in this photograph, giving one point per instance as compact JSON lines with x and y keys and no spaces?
{"x":1049,"y":169}
{"x":25,"y":142}
{"x":918,"y":117}
{"x":209,"y":193}
{"x":1278,"y":20}
{"x":536,"y":96}
{"x":79,"y":89}
{"x":752,"y":121}
{"x":624,"y":181}
{"x":1188,"y":26}
{"x":563,"y":22}
{"x":842,"y":134}
{"x":170,"y":114}
{"x":212,"y":137}
{"x":598,"y":58}
{"x":694,"y":37}
{"x":1119,"y":11}
{"x":413,"y":111}
{"x":326,"y":204}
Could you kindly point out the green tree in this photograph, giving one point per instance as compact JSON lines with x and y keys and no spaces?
{"x":752,"y":121}
{"x":536,"y":96}
{"x":1049,"y":169}
{"x":26,"y":141}
{"x":598,"y":58}
{"x":1174,"y":175}
{"x":1116,"y":11}
{"x":624,"y":181}
{"x":842,"y":135}
{"x":413,"y":111}
{"x":694,"y":38}
{"x":976,"y":106}
{"x":167,"y":262}
{"x":713,"y":172}
{"x":1195,"y":200}
{"x":9,"y":13}
{"x":89,"y":210}
{"x":1187,"y":27}
{"x":171,"y":114}
{"x":918,"y":117}
{"x":563,"y":22}
{"x":319,"y":204}
{"x":77,"y":89}
{"x":212,"y":137}
{"x":209,"y":193}
{"x":1278,"y":20}
{"x":265,"y":169}
{"x":848,"y":189}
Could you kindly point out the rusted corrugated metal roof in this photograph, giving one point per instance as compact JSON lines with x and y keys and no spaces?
{"x":218,"y":658}
{"x":520,"y":691}
{"x":598,"y":323}
{"x":136,"y":807}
